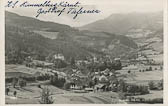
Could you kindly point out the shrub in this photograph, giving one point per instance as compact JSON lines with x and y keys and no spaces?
{"x":143,"y":89}
{"x":7,"y":91}
{"x":40,"y":78}
{"x":22,"y":83}
{"x":29,"y":78}
{"x":14,"y":82}
{"x":160,"y":84}
{"x":67,"y":86}
{"x":151,"y":85}
{"x":137,"y":89}
{"x":59,"y":82}
{"x":39,"y":86}
{"x":150,"y":68}
{"x":8,"y":80}
{"x":46,"y":96}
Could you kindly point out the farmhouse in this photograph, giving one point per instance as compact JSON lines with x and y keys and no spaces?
{"x":100,"y":87}
{"x":59,"y":56}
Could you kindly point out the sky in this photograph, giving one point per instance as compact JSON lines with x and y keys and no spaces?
{"x":107,"y":7}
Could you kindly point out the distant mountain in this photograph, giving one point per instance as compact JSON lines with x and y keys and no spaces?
{"x":25,"y":36}
{"x":124,"y":23}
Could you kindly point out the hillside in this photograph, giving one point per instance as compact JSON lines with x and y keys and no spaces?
{"x":124,"y":23}
{"x":22,"y":43}
{"x":27,"y":36}
{"x":32,"y":23}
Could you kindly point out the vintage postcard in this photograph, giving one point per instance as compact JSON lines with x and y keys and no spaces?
{"x":84,"y":52}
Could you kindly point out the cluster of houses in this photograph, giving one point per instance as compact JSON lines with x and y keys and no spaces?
{"x":96,"y":81}
{"x":101,"y":81}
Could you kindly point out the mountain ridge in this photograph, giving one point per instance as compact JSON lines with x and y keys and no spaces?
{"x":122,"y":23}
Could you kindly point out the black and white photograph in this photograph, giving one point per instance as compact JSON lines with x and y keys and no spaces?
{"x":84,"y":51}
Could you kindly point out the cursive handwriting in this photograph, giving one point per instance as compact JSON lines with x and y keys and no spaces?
{"x":58,"y":8}
{"x":81,"y":11}
{"x":12,"y":4}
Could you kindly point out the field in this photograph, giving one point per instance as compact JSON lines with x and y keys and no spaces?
{"x":21,"y":70}
{"x":31,"y":93}
{"x":141,"y":77}
{"x":51,"y":35}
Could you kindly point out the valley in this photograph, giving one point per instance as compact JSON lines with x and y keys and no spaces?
{"x":116,"y":64}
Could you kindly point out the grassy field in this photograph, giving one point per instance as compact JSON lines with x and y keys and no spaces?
{"x":51,"y":35}
{"x":21,"y":70}
{"x":152,"y":95}
{"x":31,"y":95}
{"x":141,"y":77}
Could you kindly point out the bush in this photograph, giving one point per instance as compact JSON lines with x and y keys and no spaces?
{"x":143,"y":90}
{"x":7,"y":91}
{"x":151,"y":85}
{"x":59,"y":82}
{"x":39,"y":86}
{"x":67,"y":86}
{"x":46,"y":97}
{"x":137,"y":89}
{"x":14,"y":82}
{"x":160,"y":84}
{"x":30,"y":79}
{"x":22,"y":83}
{"x":40,"y":78}
{"x":8,"y":80}
{"x":150,"y":68}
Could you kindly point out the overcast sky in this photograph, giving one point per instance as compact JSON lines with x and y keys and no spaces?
{"x":107,"y":7}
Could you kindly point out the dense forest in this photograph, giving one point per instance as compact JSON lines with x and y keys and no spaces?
{"x":22,"y":40}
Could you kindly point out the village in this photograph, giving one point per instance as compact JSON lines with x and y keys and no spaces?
{"x":128,"y":79}
{"x":110,"y":58}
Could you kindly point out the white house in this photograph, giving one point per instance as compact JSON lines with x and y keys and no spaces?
{"x":59,"y":56}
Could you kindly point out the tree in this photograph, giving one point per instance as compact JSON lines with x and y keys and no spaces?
{"x":46,"y":96}
{"x":59,"y":82}
{"x":160,"y":84}
{"x":59,"y":63}
{"x":121,"y":85}
{"x":67,"y":86}
{"x":72,"y":61}
{"x":22,"y":83}
{"x":151,"y":85}
{"x":150,"y":68}
{"x":39,"y":86}
{"x":15,"y":93}
{"x":117,"y":65}
{"x":91,"y":84}
{"x":7,"y":91}
{"x":95,"y":81}
{"x":14,"y":82}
